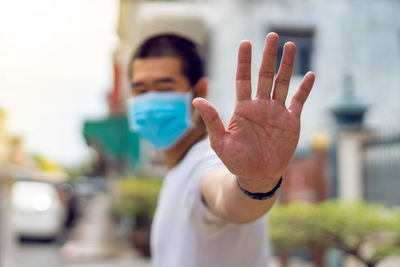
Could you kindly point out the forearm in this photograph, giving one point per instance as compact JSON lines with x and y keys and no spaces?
{"x":223,"y":196}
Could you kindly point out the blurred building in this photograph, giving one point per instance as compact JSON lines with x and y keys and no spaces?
{"x":306,"y":178}
{"x":366,"y":160}
{"x":10,"y":145}
{"x":334,"y":39}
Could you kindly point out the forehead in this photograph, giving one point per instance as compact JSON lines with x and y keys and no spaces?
{"x":156,"y":67}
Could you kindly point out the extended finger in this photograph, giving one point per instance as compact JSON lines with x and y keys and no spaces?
{"x":243,"y":72}
{"x":212,"y":120}
{"x":282,"y":80}
{"x":267,"y":69}
{"x":300,"y":97}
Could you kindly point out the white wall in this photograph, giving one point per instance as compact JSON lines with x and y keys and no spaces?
{"x":358,"y":37}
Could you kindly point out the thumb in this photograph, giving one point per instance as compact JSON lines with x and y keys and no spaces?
{"x":212,"y":120}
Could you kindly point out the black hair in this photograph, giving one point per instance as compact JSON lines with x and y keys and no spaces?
{"x":171,"y":45}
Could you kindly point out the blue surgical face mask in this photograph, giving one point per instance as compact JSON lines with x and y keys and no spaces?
{"x":162,"y":118}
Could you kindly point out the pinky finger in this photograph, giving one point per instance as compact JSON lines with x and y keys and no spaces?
{"x":300,"y":97}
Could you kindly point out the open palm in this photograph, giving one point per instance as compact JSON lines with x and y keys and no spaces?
{"x":263,"y":133}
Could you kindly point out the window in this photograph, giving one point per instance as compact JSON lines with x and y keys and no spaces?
{"x":303,"y":40}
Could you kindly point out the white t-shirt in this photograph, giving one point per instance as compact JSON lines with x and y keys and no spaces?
{"x":186,"y":233}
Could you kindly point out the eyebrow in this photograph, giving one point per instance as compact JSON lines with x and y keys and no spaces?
{"x":158,"y":81}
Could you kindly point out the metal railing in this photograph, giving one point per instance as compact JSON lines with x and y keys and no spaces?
{"x":381,"y":168}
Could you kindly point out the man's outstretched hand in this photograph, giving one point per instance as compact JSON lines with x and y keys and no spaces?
{"x":263,"y":133}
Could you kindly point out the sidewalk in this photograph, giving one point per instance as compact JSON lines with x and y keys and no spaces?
{"x":93,"y":242}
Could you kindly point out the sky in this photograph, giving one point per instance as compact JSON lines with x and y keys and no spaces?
{"x":55,"y":71}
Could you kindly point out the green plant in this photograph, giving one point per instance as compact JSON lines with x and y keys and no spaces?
{"x":366,"y":231}
{"x":137,"y":197}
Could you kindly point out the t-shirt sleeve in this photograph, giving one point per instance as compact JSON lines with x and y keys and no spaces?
{"x":199,"y":211}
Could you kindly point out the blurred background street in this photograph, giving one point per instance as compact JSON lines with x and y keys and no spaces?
{"x":91,"y":243}
{"x":43,"y":254}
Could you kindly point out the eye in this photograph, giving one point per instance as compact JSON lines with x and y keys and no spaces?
{"x":138,"y":90}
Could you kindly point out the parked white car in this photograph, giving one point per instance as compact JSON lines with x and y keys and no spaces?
{"x":37,"y":211}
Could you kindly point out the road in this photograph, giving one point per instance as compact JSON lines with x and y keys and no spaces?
{"x":47,"y":254}
{"x":37,"y":254}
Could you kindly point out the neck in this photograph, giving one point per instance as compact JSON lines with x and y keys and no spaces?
{"x":176,"y":153}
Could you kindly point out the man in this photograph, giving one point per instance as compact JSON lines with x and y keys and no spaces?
{"x":211,"y":207}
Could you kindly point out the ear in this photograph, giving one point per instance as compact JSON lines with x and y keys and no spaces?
{"x":200,"y":89}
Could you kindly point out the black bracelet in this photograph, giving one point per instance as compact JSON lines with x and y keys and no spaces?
{"x":260,"y":196}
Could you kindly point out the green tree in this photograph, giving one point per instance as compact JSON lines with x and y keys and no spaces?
{"x":369,"y":232}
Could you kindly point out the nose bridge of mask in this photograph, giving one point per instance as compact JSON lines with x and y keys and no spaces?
{"x":165,"y":105}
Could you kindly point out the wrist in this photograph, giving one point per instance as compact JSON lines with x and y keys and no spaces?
{"x":258,"y":184}
{"x":260,"y":195}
